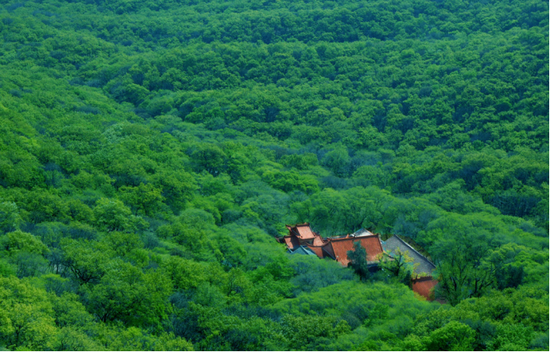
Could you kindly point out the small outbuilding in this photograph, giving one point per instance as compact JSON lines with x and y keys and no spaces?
{"x":422,"y":281}
{"x":425,"y":266}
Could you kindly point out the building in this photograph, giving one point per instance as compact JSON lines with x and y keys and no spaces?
{"x":424,"y":286}
{"x":425,"y":267}
{"x":333,"y":247}
{"x":302,"y":240}
{"x":301,"y":250}
{"x":371,"y":243}
{"x":422,"y":281}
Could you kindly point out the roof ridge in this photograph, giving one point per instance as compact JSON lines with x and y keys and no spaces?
{"x":352,"y":237}
{"x":323,"y":245}
{"x":417,"y":252}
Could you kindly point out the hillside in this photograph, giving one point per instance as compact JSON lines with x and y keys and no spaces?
{"x":152,"y":151}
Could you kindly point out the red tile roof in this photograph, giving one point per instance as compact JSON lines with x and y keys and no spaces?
{"x":323,"y":250}
{"x":337,"y":248}
{"x":329,"y":251}
{"x":318,"y":250}
{"x":318,"y":241}
{"x":424,"y":286}
{"x":291,"y":242}
{"x":341,"y":246}
{"x":303,"y":231}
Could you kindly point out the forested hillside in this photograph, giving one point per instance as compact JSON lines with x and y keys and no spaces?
{"x":151,"y":152}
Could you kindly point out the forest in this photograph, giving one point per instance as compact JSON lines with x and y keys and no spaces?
{"x":152,"y":151}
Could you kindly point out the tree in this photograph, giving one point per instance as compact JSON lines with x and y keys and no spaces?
{"x":508,"y":273}
{"x":399,"y":263}
{"x":72,"y":339}
{"x":26,"y":316}
{"x":113,"y":215}
{"x":461,"y":260}
{"x":9,"y":217}
{"x":116,"y":338}
{"x":358,"y":260}
{"x":327,"y":209}
{"x":210,"y":158}
{"x":177,"y":187}
{"x":19,"y":241}
{"x":454,"y":336}
{"x":26,"y":252}
{"x":144,"y":199}
{"x":128,"y":246}
{"x":126,"y":294}
{"x":338,"y":161}
{"x":85,"y":260}
{"x":308,"y":332}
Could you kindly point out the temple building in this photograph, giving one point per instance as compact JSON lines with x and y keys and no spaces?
{"x":422,"y":281}
{"x":424,"y":286}
{"x":302,"y":240}
{"x":424,"y":268}
{"x":301,"y":235}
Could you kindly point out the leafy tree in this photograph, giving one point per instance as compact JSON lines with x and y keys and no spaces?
{"x":454,"y":336}
{"x":187,"y":274}
{"x":312,"y":274}
{"x":145,"y":199}
{"x":113,"y":215}
{"x":506,"y":273}
{"x":9,"y":217}
{"x":209,"y":158}
{"x":81,"y":258}
{"x":398,"y":263}
{"x":26,"y":316}
{"x":464,"y":271}
{"x":338,"y":161}
{"x":220,"y":122}
{"x":134,"y":338}
{"x":125,"y":294}
{"x":308,"y":332}
{"x":358,"y":260}
{"x":69,"y":338}
{"x":177,"y":187}
{"x":80,"y":211}
{"x":19,"y":241}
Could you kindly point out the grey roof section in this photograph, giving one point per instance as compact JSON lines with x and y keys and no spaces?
{"x":394,"y":242}
{"x":302,"y":250}
{"x":361,"y":233}
{"x":358,"y":233}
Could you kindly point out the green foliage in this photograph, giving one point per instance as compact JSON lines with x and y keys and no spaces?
{"x":452,"y":337}
{"x":85,"y":260}
{"x":399,"y":264}
{"x":9,"y":217}
{"x":144,"y":198}
{"x":308,"y":332}
{"x":113,"y":215}
{"x":358,"y":260}
{"x":186,"y":274}
{"x":151,"y":151}
{"x":26,"y":316}
{"x":25,"y":252}
{"x":462,"y":271}
{"x":126,"y":294}
{"x":19,"y":241}
{"x":312,"y":274}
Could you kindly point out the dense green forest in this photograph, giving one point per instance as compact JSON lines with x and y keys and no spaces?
{"x":151,"y":152}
